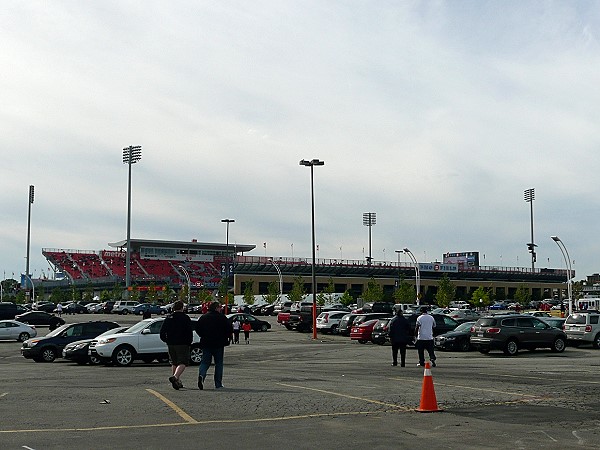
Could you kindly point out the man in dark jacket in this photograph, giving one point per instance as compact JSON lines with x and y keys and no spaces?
{"x":178,"y":333}
{"x":215,"y":332}
{"x":399,"y":331}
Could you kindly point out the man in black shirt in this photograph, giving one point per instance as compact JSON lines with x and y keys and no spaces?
{"x":178,"y":333}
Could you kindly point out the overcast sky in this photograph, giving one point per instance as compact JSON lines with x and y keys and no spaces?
{"x":435,"y":115}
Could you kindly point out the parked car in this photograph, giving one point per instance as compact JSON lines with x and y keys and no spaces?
{"x":457,"y":339}
{"x":46,"y":307}
{"x":381,"y":331}
{"x":362,"y":333}
{"x":38,"y":318}
{"x":268,"y":310}
{"x":124,"y":306}
{"x":498,"y":307}
{"x":583,"y":327}
{"x":73,"y":308}
{"x":345,"y":324}
{"x":257,"y":324}
{"x":463,"y":315}
{"x":512,"y":332}
{"x":556,"y":322}
{"x":443,"y":323}
{"x":106,"y":307}
{"x":257,"y":309}
{"x":15,"y":330}
{"x":8,"y":310}
{"x":78,"y":351}
{"x":141,"y":341}
{"x":539,"y":313}
{"x":153,"y":308}
{"x":49,"y":347}
{"x":282,"y":307}
{"x":329,"y":321}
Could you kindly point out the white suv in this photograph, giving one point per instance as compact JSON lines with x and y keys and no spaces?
{"x":141,"y":341}
{"x":328,"y":322}
{"x":124,"y":307}
{"x":583,"y":327}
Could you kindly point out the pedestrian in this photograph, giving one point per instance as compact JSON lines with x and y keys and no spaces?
{"x":146,"y":314}
{"x":424,"y":334}
{"x":215,"y":332}
{"x":399,"y":332}
{"x":59,"y":308}
{"x":236,"y":330}
{"x":246,"y":327}
{"x":178,"y":333}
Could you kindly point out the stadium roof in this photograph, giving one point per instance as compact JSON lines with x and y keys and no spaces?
{"x":137,"y":243}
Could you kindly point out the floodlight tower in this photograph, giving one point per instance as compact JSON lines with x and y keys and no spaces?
{"x":529,"y":196}
{"x":31,"y":196}
{"x":131,"y":155}
{"x":369,"y":219}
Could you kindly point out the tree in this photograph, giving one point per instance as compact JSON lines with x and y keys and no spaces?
{"x":117,"y":292}
{"x":481,"y":297}
{"x":167,"y":294}
{"x":57,"y":296}
{"x":105,"y":296}
{"x":577,"y":290}
{"x":88,"y":294}
{"x":134,"y":293}
{"x":373,"y":292}
{"x":272,"y":293}
{"x":446,"y":292}
{"x":249,"y":292}
{"x":522,"y":295}
{"x":203,"y":296}
{"x":298,"y":292}
{"x":321,"y":298}
{"x":346,"y":299}
{"x":151,"y":294}
{"x":329,"y":291}
{"x":183,"y":293}
{"x":405,"y":293}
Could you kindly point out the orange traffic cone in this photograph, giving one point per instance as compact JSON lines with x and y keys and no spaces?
{"x":428,"y":400}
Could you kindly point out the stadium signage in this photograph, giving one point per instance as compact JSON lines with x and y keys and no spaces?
{"x":438,"y":267}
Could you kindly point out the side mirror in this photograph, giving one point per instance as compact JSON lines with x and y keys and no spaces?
{"x":146,"y":331}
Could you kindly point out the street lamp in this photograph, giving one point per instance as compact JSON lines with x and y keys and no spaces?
{"x":369,"y":219}
{"x":417,"y":273}
{"x":565,"y":253}
{"x":311,"y":164}
{"x":398,"y":253}
{"x":227,"y":222}
{"x":31,"y":195}
{"x":529,"y":196}
{"x":131,"y":155}
{"x":189,"y":282}
{"x":280,"y":280}
{"x":32,"y":289}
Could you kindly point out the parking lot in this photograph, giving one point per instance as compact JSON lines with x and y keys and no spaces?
{"x":287,"y":390}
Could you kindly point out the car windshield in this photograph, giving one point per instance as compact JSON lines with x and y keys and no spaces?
{"x":576,"y":319}
{"x":58,"y":331}
{"x":138,"y":326}
{"x":464,"y":326}
{"x":486,"y":322}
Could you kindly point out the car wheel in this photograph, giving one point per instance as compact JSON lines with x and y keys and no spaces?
{"x":559,"y":345}
{"x":464,"y":345}
{"x":195,"y":355}
{"x":362,"y":341}
{"x":596,"y":343}
{"x":23,"y":336}
{"x":94,"y":360}
{"x":48,"y":354}
{"x":288,"y":326}
{"x":125,"y":312}
{"x":334,"y":329}
{"x":123,"y":356}
{"x":264,"y":327}
{"x":511,"y":348}
{"x":484,"y":350}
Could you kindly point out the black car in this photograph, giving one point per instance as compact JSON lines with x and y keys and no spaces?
{"x":513,"y":332}
{"x":346,"y":324}
{"x":257,"y":324}
{"x":457,"y":339}
{"x":267,"y":310}
{"x":74,"y":308}
{"x":49,"y":347}
{"x":46,"y":307}
{"x":381,"y":331}
{"x":39,"y":318}
{"x":78,"y":351}
{"x":443,"y":323}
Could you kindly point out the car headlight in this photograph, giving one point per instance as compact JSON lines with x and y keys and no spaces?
{"x":106,"y":341}
{"x":449,"y":338}
{"x":31,"y":343}
{"x":76,"y":346}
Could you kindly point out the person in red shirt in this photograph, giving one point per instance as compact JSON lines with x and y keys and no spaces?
{"x":246,"y":327}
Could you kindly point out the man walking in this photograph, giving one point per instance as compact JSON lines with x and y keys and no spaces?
{"x":424,"y":332}
{"x":215,"y":332}
{"x":399,"y":331}
{"x":178,"y":333}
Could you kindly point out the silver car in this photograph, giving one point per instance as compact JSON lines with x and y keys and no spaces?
{"x":13,"y":329}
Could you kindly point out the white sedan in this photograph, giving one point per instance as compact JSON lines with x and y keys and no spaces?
{"x":13,"y":329}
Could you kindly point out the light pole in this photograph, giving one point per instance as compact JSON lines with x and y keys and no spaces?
{"x":131,"y":155}
{"x":31,"y":195}
{"x":280,"y":280}
{"x":32,"y":289}
{"x":529,"y":196}
{"x":417,"y":274}
{"x":565,"y":253}
{"x":312,"y":164}
{"x":189,"y":282}
{"x":369,"y":219}
{"x":398,"y":253}
{"x":227,"y":222}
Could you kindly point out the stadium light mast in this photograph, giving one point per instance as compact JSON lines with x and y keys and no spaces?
{"x":312,"y":163}
{"x":369,"y":219}
{"x":31,"y":196}
{"x":227,"y":222}
{"x":131,"y":155}
{"x":529,"y":196}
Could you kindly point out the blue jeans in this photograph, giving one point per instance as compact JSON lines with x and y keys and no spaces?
{"x":208,"y":354}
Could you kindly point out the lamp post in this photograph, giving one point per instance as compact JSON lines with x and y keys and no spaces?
{"x":398,"y":253}
{"x":131,"y":155}
{"x":227,"y":222}
{"x":565,"y":253}
{"x":417,"y":274}
{"x":32,"y":289}
{"x":529,"y":196}
{"x":312,"y":164}
{"x":31,"y":196}
{"x":369,"y":219}
{"x":280,"y":280}
{"x":189,"y":282}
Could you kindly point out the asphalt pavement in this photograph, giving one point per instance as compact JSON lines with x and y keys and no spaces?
{"x":286,"y":390}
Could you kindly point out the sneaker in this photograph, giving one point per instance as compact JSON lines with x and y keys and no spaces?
{"x":394,"y":364}
{"x":433,"y":363}
{"x":200,"y":385}
{"x":220,"y":387}
{"x":420,"y":365}
{"x":175,"y":382}
{"x":180,"y":383}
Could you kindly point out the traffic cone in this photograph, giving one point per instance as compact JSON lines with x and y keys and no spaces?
{"x":428,"y":400}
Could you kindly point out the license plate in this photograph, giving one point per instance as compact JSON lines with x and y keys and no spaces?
{"x":480,"y":334}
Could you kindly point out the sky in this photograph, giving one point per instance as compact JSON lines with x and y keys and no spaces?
{"x":435,"y":115}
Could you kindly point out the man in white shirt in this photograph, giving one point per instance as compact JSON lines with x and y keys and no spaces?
{"x":424,"y":332}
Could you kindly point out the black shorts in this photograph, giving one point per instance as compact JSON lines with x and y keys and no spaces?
{"x":179,"y":354}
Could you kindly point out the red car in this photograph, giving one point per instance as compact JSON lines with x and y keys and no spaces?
{"x":362,"y":333}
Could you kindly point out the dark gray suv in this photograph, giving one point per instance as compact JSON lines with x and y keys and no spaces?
{"x":511,"y":333}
